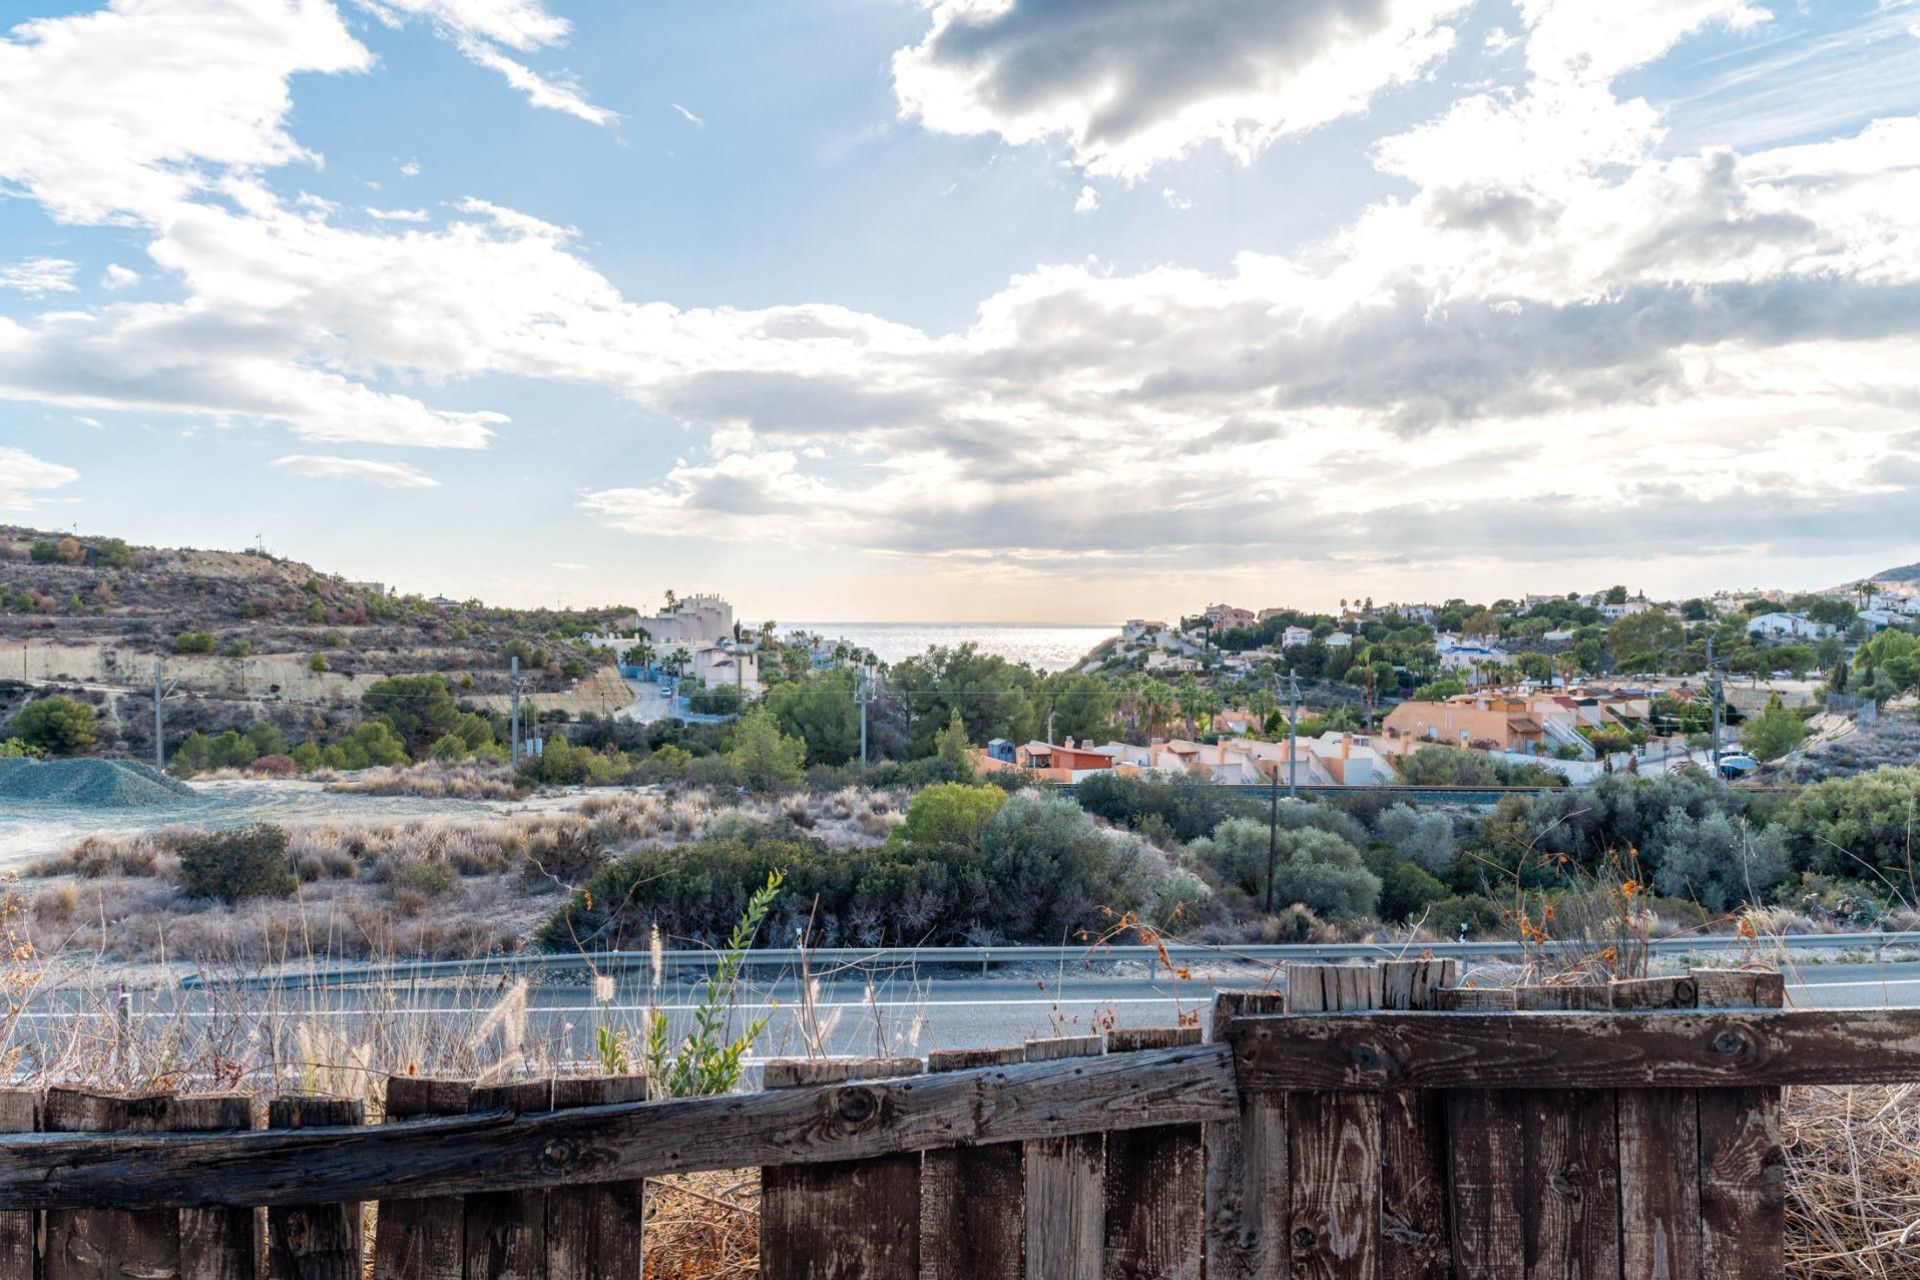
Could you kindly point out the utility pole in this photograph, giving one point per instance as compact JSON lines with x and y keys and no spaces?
{"x":159,"y":725}
{"x":1293,"y":737}
{"x":1713,"y":688}
{"x":513,"y":696}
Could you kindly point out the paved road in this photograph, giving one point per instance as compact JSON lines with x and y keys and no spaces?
{"x":899,"y":1013}
{"x":648,"y":703}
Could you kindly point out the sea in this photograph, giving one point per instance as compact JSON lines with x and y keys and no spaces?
{"x":1041,"y":646}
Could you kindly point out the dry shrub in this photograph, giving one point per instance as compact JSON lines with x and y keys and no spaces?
{"x":97,"y":856}
{"x":436,"y":780}
{"x":1853,"y":1181}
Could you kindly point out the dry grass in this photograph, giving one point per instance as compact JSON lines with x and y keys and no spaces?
{"x":703,"y":1226}
{"x":1853,"y":1182}
{"x":436,"y":780}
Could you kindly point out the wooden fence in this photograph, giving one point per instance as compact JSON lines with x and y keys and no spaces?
{"x":1372,"y":1121}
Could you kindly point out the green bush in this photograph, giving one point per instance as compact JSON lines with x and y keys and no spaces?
{"x":193,"y":642}
{"x":763,"y":758}
{"x":233,"y":865}
{"x":58,"y":726}
{"x":110,"y":553}
{"x":318,"y":663}
{"x":1041,"y":873}
{"x":950,"y":813}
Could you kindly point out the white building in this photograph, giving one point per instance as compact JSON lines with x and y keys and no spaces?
{"x":1294,"y":637}
{"x":1338,"y":640}
{"x":1785,"y":625}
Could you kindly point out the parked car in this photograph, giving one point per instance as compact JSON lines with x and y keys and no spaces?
{"x":1736,"y":764}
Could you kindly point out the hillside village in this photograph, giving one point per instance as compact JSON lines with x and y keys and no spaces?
{"x":263,"y":655}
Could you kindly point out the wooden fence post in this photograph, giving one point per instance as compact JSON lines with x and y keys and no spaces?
{"x":1155,"y":1183}
{"x":972,"y":1199}
{"x":597,"y":1231}
{"x":1334,"y":1143}
{"x":113,"y":1244}
{"x":505,"y":1232}
{"x":19,"y":1228}
{"x":1570,"y":1166}
{"x":1659,"y":1132}
{"x":1247,"y":1168}
{"x":840,"y":1220}
{"x":422,"y":1239}
{"x":1064,"y":1175}
{"x":315,"y":1242}
{"x":1743,"y":1173}
{"x":1414,"y":1241}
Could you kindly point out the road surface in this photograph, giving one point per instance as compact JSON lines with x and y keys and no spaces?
{"x":898,"y":1013}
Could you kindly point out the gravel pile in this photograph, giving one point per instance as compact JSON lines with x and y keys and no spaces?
{"x":92,"y":784}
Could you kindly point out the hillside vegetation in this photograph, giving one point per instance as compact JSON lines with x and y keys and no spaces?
{"x":248,"y":637}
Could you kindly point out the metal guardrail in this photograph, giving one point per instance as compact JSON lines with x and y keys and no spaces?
{"x":823,"y":961}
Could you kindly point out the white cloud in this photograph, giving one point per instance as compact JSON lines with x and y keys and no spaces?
{"x":131,"y":108}
{"x":388,"y":475}
{"x":568,"y":566}
{"x":397,"y":215}
{"x":38,"y":277}
{"x":688,"y":115}
{"x":411,"y":169}
{"x":1174,"y":199}
{"x":118,"y":277}
{"x":23,"y":477}
{"x":555,"y":93}
{"x":1131,"y":83}
{"x":480,"y":28}
{"x":1089,"y":201}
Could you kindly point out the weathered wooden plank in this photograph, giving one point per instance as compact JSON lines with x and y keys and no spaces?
{"x":1246,"y":1157}
{"x":1414,"y":1241}
{"x":505,"y":1232}
{"x":1699,"y":1049}
{"x":1155,"y":1184}
{"x":20,"y":1229}
{"x":1743,"y":1169}
{"x":1659,"y":1183}
{"x":1571,"y":1184}
{"x":847,"y":1220}
{"x":315,"y":1242}
{"x":973,"y":1218}
{"x":1473,"y":999}
{"x":1668,"y":992}
{"x":419,"y":1237}
{"x":1587,"y":998}
{"x":1486,"y":1144}
{"x":1659,"y":1132}
{"x":597,"y":1232}
{"x":1333,"y":1143}
{"x":457,"y":1154}
{"x":1063,"y":1177}
{"x":1486,"y":1157}
{"x":217,"y":1243}
{"x":1569,"y":1167}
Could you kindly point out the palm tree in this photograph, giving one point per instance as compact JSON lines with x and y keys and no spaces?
{"x":1189,"y":700}
{"x":640,"y":654}
{"x":1263,"y":704}
{"x":679,"y":659}
{"x":767,"y":629}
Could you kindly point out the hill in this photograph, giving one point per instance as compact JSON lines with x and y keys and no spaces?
{"x":1905,"y":573}
{"x":245,"y":636}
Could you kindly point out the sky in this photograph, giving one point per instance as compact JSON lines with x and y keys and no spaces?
{"x":1061,"y":310}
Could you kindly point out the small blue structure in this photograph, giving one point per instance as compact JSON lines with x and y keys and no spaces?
{"x":1000,"y":749}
